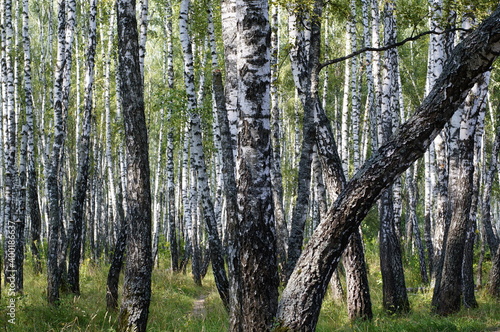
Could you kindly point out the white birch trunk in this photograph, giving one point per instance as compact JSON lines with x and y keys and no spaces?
{"x":228,"y":15}
{"x":172,"y":236}
{"x":84,"y":161}
{"x":255,"y":240}
{"x":198,"y":158}
{"x":143,"y":32}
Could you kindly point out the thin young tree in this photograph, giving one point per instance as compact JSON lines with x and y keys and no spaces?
{"x":54,"y":179}
{"x":75,"y":246}
{"x":32,"y":189}
{"x":172,"y":230}
{"x":198,"y":159}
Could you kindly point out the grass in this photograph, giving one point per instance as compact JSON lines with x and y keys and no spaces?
{"x":174,"y":295}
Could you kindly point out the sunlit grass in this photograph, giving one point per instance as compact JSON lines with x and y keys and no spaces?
{"x":174,"y":294}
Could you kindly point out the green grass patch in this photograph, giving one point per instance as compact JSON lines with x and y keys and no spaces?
{"x":174,"y":296}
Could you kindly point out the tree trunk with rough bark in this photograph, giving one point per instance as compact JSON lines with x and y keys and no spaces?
{"x":137,"y":283}
{"x":255,"y":306}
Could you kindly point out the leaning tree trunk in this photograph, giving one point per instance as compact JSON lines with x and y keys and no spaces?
{"x":302,"y":297}
{"x":137,"y":283}
{"x":84,"y":159}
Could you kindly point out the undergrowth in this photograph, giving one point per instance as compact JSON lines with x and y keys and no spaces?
{"x":174,"y":295}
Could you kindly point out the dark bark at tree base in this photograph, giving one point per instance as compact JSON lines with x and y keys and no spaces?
{"x":494,"y":282}
{"x":115,"y":269}
{"x":359,"y":304}
{"x":395,"y":297}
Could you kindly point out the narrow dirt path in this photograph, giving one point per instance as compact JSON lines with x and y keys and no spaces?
{"x":199,"y":310}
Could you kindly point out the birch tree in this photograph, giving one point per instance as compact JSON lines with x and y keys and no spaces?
{"x":198,"y":159}
{"x":84,"y":158}
{"x":254,"y":305}
{"x":32,"y":189}
{"x":119,"y":210}
{"x":172,"y":235}
{"x":62,"y":85}
{"x":447,"y":296}
{"x":14,"y":252}
{"x":395,"y":298}
{"x":137,"y":282}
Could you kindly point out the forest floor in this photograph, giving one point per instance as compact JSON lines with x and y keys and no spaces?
{"x":177,"y":304}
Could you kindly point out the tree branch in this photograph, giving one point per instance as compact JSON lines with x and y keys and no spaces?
{"x":388,"y":47}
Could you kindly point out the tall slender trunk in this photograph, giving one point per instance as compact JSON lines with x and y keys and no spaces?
{"x":276,"y":177}
{"x":121,"y":221}
{"x":54,"y":179}
{"x":84,"y":158}
{"x":395,"y":298}
{"x":172,"y":229}
{"x":32,"y":190}
{"x":137,"y":283}
{"x":198,"y":160}
{"x":14,"y":222}
{"x":300,"y":24}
